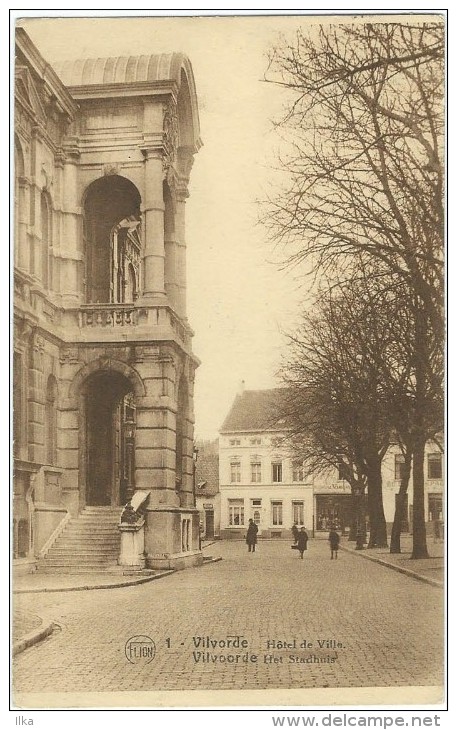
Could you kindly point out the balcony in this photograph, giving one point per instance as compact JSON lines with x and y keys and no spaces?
{"x":111,"y":322}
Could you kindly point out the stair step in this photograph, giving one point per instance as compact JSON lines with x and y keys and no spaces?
{"x":76,"y":539}
{"x":79,"y":563}
{"x":62,"y":551}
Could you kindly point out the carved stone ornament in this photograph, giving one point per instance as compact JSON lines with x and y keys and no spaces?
{"x":47,"y":176}
{"x":38,"y":344}
{"x":69,"y":355}
{"x":170,"y":135}
{"x":111,"y":169}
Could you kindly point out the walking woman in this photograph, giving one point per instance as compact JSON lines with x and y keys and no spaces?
{"x":251,"y":536}
{"x":334,"y":540}
{"x":302,"y":541}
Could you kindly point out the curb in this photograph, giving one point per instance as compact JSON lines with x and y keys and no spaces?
{"x":122,"y":584}
{"x":210,"y":561}
{"x":397,"y":568}
{"x":33,"y":637}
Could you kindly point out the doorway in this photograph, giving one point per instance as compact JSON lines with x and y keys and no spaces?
{"x":110,"y":439}
{"x":209,"y":523}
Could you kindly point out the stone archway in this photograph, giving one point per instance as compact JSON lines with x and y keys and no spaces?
{"x":108,"y":443}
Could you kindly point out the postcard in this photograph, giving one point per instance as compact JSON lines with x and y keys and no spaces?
{"x":228,"y":437}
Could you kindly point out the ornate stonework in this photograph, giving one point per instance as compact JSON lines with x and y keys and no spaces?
{"x":170,"y":135}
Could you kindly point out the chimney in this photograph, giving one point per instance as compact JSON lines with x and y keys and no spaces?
{"x":241,"y":387}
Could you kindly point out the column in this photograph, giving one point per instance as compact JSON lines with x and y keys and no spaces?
{"x":153,"y":212}
{"x":70,"y":250}
{"x":180,"y":254}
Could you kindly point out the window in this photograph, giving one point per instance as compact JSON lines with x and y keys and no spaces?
{"x":298,"y":513}
{"x":435,"y":470}
{"x":342,"y":471}
{"x":276,"y":513}
{"x":399,"y":466}
{"x":277,"y":471}
{"x":235,"y":471}
{"x":298,"y":471}
{"x":256,"y":471}
{"x":185,"y":535}
{"x":255,"y":441}
{"x":235,"y":442}
{"x":236,"y":512}
{"x":256,"y":517}
{"x":435,"y":507}
{"x":46,"y":241}
{"x":256,"y":502}
{"x":17,"y":403}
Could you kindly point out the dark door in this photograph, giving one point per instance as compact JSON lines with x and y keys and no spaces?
{"x":209,"y":532}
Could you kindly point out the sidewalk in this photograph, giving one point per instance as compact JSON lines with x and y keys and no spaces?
{"x":429,"y":570}
{"x":28,"y":629}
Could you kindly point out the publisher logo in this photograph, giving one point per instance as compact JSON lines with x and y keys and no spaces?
{"x":140,"y":649}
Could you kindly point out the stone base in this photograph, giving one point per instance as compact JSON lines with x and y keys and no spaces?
{"x":24,"y":566}
{"x":175,"y":561}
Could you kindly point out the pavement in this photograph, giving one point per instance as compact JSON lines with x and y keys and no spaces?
{"x":429,"y":570}
{"x":301,"y":624}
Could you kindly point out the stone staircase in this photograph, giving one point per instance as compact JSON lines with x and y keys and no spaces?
{"x":89,"y":543}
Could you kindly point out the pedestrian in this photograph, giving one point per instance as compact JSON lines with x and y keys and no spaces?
{"x":302,"y":541}
{"x":251,"y":536}
{"x":334,"y":540}
{"x":295,"y":533}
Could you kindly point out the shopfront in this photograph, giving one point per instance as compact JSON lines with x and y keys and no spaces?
{"x":333,"y":507}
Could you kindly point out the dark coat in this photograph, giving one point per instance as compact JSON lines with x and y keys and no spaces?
{"x":302,"y":540}
{"x":251,"y":536}
{"x":334,"y":539}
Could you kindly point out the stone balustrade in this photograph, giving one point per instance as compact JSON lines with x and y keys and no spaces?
{"x":108,"y":315}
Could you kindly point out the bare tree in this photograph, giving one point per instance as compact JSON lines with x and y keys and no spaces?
{"x":337,"y":404}
{"x":365,"y":175}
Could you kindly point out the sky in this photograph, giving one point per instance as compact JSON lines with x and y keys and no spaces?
{"x":240,"y":303}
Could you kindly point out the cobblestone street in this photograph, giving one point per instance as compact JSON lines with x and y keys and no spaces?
{"x":384,"y":628}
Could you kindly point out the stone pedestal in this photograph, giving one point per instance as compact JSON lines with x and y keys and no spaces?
{"x":132,"y":545}
{"x":172,"y":538}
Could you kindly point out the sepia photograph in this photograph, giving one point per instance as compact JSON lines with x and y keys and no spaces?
{"x":228,"y":360}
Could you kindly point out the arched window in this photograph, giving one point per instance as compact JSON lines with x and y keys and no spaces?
{"x":111,"y":238}
{"x":51,"y":420}
{"x":130,"y":285}
{"x":46,"y":241}
{"x":19,"y":198}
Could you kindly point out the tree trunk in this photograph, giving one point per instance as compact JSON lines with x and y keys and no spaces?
{"x":378,"y":528}
{"x":395,"y":546}
{"x":419,"y":534}
{"x":420,"y":346}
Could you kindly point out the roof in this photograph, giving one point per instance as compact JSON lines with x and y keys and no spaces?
{"x":207,"y":471}
{"x":257,"y":410}
{"x":122,"y":69}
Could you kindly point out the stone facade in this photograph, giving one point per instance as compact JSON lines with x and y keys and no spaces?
{"x":103,"y":363}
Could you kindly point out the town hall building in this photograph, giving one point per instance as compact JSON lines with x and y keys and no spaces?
{"x":103,"y":362}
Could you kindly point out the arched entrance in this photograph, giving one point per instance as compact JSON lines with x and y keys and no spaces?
{"x":112,"y":241}
{"x":109,"y":405}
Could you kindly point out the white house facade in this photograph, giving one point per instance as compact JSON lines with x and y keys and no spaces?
{"x":259,"y":478}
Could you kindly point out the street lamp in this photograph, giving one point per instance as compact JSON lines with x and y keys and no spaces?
{"x":194,"y":489}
